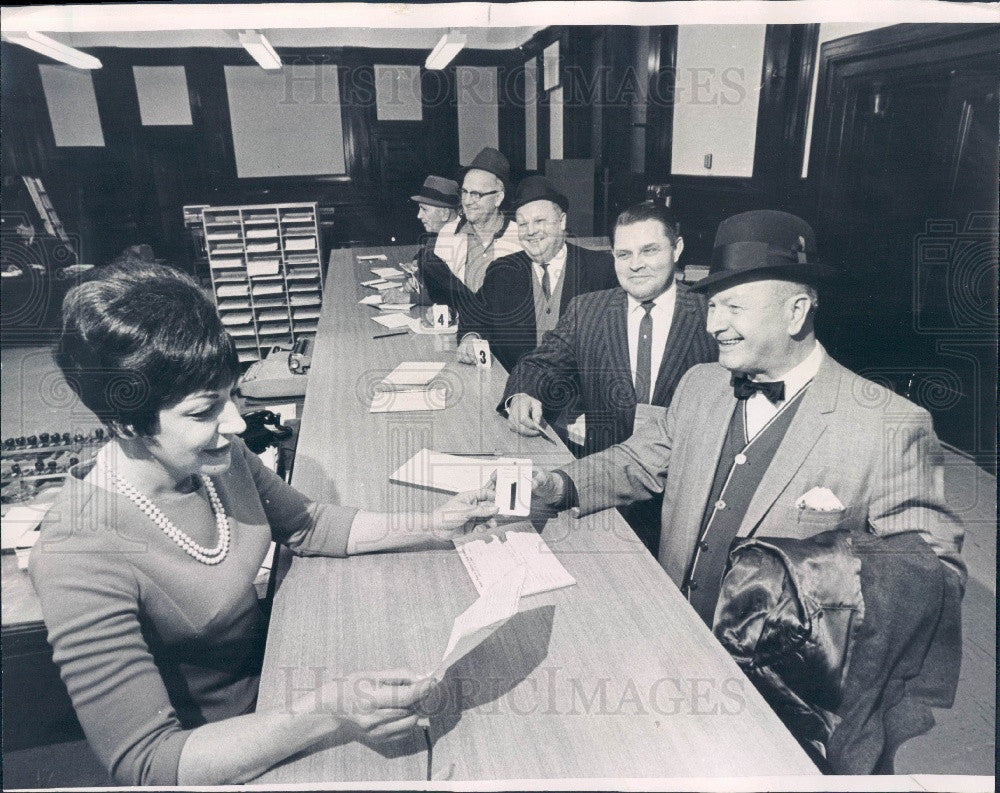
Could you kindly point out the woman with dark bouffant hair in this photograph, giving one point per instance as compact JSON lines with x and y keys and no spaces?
{"x":146,"y":563}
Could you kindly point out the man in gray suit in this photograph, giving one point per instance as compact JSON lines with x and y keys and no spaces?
{"x":776,"y":439}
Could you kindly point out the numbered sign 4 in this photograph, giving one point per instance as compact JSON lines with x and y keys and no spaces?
{"x":441,"y":315}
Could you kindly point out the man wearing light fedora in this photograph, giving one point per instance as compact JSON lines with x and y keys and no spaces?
{"x":523,"y":295}
{"x":780,"y":443}
{"x":437,"y":202}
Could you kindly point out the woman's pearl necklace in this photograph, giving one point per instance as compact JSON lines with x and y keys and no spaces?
{"x":202,"y":554}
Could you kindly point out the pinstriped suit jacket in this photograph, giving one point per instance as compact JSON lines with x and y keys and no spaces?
{"x":587,"y":357}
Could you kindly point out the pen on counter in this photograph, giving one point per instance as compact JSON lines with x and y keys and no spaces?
{"x":399,"y":332}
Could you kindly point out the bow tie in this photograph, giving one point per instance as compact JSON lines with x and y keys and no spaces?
{"x":744,"y":388}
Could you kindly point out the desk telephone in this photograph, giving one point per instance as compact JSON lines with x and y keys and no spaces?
{"x":280,"y":374}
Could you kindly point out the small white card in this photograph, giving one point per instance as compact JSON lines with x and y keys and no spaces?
{"x":391,"y":320}
{"x":441,"y":315}
{"x":371,"y":300}
{"x":514,"y":489}
{"x":481,"y":351}
{"x":373,"y":282}
{"x":387,"y":272}
{"x":367,"y":257}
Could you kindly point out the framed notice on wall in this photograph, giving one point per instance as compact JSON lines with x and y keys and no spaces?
{"x":398,"y":95}
{"x":286,"y":122}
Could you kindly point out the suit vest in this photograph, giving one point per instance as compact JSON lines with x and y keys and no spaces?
{"x":738,"y":474}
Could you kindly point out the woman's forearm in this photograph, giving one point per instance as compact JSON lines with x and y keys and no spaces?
{"x":392,"y":531}
{"x":241,"y":748}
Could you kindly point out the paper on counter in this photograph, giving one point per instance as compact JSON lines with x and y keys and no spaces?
{"x":410,"y":373}
{"x":490,"y":559}
{"x":387,"y":272}
{"x":494,"y":607}
{"x":392,"y":320}
{"x":419,"y":327}
{"x":371,"y":300}
{"x":371,"y":256}
{"x":395,"y":306}
{"x":448,"y":473}
{"x":18,"y":521}
{"x":409,"y":401}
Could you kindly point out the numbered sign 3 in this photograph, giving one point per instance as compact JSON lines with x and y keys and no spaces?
{"x":481,"y":350}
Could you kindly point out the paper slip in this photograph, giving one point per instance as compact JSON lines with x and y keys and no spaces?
{"x":395,"y":306}
{"x":393,"y":320}
{"x":371,"y":300}
{"x":371,"y":256}
{"x":387,"y":272}
{"x":383,"y":285}
{"x":19,"y":520}
{"x":496,"y":604}
{"x":419,"y":327}
{"x":492,"y":559}
{"x":409,"y":401}
{"x":412,"y":373}
{"x":449,"y":473}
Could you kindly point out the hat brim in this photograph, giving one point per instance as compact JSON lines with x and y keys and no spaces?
{"x":434,"y":202}
{"x":793,"y":271}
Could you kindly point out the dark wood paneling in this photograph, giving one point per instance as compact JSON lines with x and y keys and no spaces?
{"x":132,"y":189}
{"x":902,"y":114}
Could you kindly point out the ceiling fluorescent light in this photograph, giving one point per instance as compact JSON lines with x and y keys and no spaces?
{"x":445,"y":50}
{"x":260,"y":48}
{"x":53,"y":49}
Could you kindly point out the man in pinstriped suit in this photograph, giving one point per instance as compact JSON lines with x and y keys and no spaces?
{"x":618,"y":352}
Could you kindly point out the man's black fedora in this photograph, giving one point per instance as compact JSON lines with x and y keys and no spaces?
{"x":763,"y":243}
{"x":538,"y":188}
{"x":438,"y":192}
{"x":489,"y":159}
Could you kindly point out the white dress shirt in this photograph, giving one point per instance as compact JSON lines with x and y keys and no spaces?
{"x":760,"y":410}
{"x":556,"y":265}
{"x":662,"y":315}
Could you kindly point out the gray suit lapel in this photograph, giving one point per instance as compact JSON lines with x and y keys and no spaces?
{"x":699,"y":469}
{"x":808,"y":424}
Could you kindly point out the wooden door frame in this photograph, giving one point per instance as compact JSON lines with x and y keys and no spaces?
{"x":909,"y":49}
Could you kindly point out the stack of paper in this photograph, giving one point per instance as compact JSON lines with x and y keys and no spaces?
{"x":492,"y":559}
{"x":387,"y":272}
{"x":367,"y":257}
{"x":371,"y":300}
{"x":380,"y":284}
{"x":19,"y":521}
{"x":410,"y":386}
{"x":391,"y":320}
{"x":411,"y":374}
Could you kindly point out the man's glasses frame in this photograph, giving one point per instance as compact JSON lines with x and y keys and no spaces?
{"x":475,"y":195}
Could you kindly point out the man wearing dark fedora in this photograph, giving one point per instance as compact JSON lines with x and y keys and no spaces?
{"x":524,"y":294}
{"x":778,"y":444}
{"x":468,"y":244}
{"x":777,"y":439}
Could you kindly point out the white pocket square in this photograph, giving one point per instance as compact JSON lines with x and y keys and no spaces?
{"x":820,"y":499}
